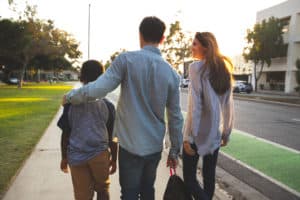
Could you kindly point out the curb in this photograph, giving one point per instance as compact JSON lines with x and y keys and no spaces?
{"x":255,"y":100}
{"x":266,"y":101}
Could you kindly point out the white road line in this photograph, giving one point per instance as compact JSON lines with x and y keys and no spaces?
{"x":295,"y":119}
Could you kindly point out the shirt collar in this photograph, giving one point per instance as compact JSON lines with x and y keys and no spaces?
{"x":152,"y":49}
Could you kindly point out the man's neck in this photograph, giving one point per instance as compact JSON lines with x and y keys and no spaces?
{"x":150,"y":44}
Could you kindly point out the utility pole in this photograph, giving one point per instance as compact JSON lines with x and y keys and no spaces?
{"x":89,"y":31}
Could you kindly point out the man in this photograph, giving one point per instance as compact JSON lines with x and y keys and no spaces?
{"x":148,"y":86}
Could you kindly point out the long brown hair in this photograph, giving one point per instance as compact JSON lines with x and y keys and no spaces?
{"x":218,"y":66}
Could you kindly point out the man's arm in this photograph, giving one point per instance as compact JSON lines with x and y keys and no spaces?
{"x":100,"y":87}
{"x":175,"y":119}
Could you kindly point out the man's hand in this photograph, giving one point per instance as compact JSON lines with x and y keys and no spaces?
{"x":64,"y":165}
{"x":172,"y":162}
{"x":188,"y":149}
{"x":112,"y":167}
{"x":64,"y":100}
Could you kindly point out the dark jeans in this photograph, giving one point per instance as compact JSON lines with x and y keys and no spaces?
{"x":208,"y":171}
{"x":137,"y":175}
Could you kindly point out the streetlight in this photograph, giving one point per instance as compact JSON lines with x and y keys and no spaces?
{"x":89,"y":31}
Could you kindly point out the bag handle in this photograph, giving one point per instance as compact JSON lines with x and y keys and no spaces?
{"x":172,"y":171}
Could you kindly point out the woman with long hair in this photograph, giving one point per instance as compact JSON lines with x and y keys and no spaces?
{"x":210,"y":113}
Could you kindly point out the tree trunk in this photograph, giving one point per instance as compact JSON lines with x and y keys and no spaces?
{"x":255,"y":79}
{"x":20,"y":84}
{"x":259,"y":75}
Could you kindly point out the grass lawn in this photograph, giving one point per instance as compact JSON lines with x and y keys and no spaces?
{"x":24,"y":115}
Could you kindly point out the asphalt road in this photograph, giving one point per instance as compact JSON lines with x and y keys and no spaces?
{"x":276,"y":123}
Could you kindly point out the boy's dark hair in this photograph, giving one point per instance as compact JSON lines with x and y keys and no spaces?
{"x":90,"y":71}
{"x":152,"y":29}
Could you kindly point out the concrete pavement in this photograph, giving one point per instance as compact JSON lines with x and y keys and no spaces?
{"x":41,"y":179}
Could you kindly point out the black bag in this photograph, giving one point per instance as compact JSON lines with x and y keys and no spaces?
{"x":176,"y":189}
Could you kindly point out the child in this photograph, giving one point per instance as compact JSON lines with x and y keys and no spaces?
{"x":86,"y":140}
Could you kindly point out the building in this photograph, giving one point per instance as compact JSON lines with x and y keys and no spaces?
{"x":242,"y":70}
{"x":281,"y":75}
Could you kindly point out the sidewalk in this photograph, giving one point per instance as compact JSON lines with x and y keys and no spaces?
{"x":41,"y":179}
{"x":283,"y":99}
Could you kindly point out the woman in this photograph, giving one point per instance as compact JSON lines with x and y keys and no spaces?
{"x":210,"y":113}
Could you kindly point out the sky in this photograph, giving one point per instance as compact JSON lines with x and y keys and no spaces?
{"x":114,"y":23}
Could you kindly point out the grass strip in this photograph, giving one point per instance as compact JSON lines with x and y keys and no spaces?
{"x":25,"y":114}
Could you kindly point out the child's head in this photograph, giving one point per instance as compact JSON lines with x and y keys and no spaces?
{"x":90,"y":71}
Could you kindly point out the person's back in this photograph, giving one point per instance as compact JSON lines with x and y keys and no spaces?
{"x":209,"y":118}
{"x":89,"y":135}
{"x":148,"y":82}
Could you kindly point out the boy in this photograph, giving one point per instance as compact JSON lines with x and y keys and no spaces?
{"x":86,"y":140}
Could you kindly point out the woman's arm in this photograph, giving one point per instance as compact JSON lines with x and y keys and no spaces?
{"x":194,"y":111}
{"x":228,"y":117}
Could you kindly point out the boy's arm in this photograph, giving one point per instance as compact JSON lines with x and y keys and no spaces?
{"x":63,"y":124}
{"x":113,"y":143}
{"x":64,"y":144}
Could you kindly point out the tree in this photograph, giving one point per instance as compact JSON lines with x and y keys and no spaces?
{"x":298,"y":75}
{"x":265,"y":42}
{"x":176,"y":46}
{"x":112,"y":57}
{"x":31,"y":41}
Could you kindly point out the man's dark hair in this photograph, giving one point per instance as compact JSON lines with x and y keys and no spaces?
{"x":152,"y":29}
{"x":90,"y":71}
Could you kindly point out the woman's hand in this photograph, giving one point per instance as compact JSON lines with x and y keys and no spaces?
{"x":224,"y":141}
{"x":112,"y":167}
{"x":188,"y":149}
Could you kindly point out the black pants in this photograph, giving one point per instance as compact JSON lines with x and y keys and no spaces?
{"x":208,"y":171}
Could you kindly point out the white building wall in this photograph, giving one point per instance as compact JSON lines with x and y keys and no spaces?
{"x":289,"y":8}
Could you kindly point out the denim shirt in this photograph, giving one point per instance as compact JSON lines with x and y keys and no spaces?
{"x":89,"y":135}
{"x":149,"y":86}
{"x":209,"y":115}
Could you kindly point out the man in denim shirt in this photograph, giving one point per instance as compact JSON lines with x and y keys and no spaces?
{"x":149,"y":86}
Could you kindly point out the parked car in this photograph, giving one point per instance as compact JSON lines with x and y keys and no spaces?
{"x":184,"y":83}
{"x":13,"y":81}
{"x":248,"y":88}
{"x":242,"y":86}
